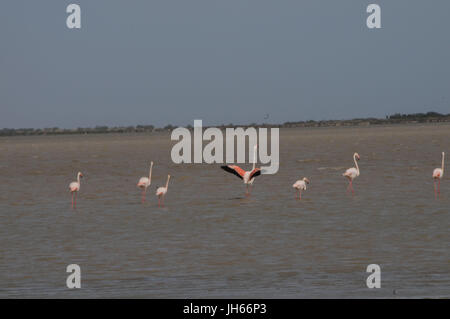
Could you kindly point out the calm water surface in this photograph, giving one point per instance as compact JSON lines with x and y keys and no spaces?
{"x":211,"y":241}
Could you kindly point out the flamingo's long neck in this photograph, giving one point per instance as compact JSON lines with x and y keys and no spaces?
{"x":150,"y":174}
{"x":78,"y":180}
{"x":167,"y":183}
{"x":356,"y":163}
{"x":443,"y":156}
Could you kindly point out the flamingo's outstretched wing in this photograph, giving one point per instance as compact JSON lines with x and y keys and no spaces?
{"x":234,"y":169}
{"x":255,"y":172}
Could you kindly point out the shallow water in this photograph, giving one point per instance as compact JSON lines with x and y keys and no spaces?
{"x":212,"y":242}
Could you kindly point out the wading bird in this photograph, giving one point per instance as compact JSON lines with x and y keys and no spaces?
{"x":74,"y":187}
{"x":247,"y":176}
{"x":438,"y":173}
{"x":162,"y":191}
{"x":144,"y":182}
{"x":352,"y":173}
{"x":300,"y":185}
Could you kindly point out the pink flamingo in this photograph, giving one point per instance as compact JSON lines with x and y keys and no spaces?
{"x":438,"y":173}
{"x":162,"y":191}
{"x":74,"y":188}
{"x":352,"y":173}
{"x":144,"y":182}
{"x":247,"y":176}
{"x":300,"y":185}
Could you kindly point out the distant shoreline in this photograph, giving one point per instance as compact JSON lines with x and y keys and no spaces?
{"x":418,"y":118}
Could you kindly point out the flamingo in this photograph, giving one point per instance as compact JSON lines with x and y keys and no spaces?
{"x":145,"y":182}
{"x":247,"y":176}
{"x":300,"y":185}
{"x":74,"y":188}
{"x":352,"y":173}
{"x":162,"y":191}
{"x":438,"y":173}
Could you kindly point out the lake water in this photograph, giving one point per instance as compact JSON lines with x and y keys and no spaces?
{"x":210,"y":241}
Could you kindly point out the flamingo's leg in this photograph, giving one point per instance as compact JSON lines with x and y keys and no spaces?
{"x":75,"y":203}
{"x":351,"y":185}
{"x":159,"y":199}
{"x":72,"y":200}
{"x":439,"y":188}
{"x":299,"y":195}
{"x":162,"y":200}
{"x":435,"y":191}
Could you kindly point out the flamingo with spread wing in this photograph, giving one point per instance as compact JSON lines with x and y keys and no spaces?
{"x":247,"y":176}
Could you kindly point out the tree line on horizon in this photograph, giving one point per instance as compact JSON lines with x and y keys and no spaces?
{"x":390,"y":119}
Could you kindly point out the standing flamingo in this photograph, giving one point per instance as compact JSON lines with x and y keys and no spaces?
{"x":438,"y":173}
{"x":162,"y":191}
{"x":145,"y":182}
{"x":352,"y":173}
{"x":300,"y":185}
{"x":247,"y":176}
{"x":74,"y":188}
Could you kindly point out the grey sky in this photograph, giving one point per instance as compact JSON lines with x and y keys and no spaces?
{"x":173,"y":61}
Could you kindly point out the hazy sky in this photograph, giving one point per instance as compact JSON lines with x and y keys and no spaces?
{"x":173,"y":61}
